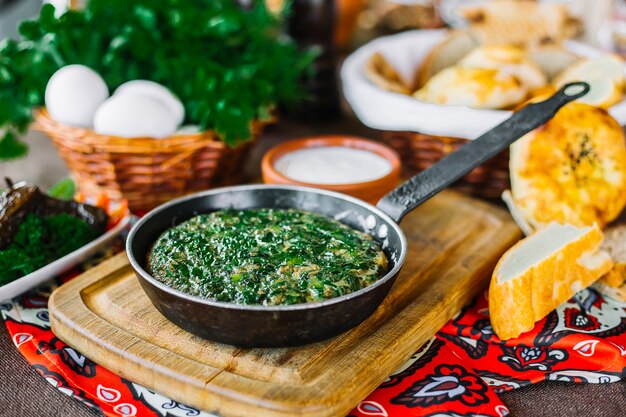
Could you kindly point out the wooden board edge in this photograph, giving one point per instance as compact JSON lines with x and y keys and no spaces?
{"x":107,"y":354}
{"x":61,"y":326}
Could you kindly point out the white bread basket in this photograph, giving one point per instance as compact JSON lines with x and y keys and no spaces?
{"x":423,"y":133}
{"x":389,"y":111}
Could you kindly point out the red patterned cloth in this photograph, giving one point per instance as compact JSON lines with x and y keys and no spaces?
{"x":458,"y":373}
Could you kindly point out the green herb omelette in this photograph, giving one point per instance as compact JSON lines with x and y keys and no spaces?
{"x":266,"y":256}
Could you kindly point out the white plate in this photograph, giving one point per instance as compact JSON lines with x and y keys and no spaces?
{"x":385,"y":110}
{"x":27,"y":282}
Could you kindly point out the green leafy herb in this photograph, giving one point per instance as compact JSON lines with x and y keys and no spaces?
{"x":41,"y":240}
{"x":228,"y":65}
{"x":63,"y":190}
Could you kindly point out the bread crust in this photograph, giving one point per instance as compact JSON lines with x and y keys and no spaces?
{"x":509,"y":59}
{"x":517,"y":304}
{"x":572,"y":170}
{"x":473,"y":87}
{"x":605,"y":74}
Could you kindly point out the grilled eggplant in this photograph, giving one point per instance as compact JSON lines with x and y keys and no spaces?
{"x":23,"y":198}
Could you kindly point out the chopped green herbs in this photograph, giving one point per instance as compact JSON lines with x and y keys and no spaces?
{"x":41,"y":240}
{"x":266,"y":256}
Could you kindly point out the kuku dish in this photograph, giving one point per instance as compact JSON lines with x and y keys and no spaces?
{"x":266,"y":256}
{"x":288,"y":325}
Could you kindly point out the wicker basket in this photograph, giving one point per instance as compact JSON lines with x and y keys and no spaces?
{"x":145,"y":171}
{"x":419,"y":151}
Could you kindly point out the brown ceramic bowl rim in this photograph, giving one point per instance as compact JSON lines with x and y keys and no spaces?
{"x":355,"y":142}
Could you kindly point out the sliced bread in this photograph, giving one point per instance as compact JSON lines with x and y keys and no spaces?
{"x":605,"y":74}
{"x":553,"y":60}
{"x":541,"y":272}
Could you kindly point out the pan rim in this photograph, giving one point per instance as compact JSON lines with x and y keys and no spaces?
{"x":273,"y":308}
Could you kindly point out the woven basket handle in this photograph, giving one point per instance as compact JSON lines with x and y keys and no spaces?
{"x":178,"y":158}
{"x":190,"y":149}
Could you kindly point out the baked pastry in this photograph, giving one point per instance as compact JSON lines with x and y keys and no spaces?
{"x":509,"y":59}
{"x":571,"y":170}
{"x":541,"y":272}
{"x":445,"y":54}
{"x":473,"y":87}
{"x":605,"y":74}
{"x":516,"y":22}
{"x":382,"y":74}
{"x":552,"y":60}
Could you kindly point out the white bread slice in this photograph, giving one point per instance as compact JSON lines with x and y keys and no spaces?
{"x":553,"y":60}
{"x":613,"y":283}
{"x":606,"y":76}
{"x":541,"y":272}
{"x":509,"y":59}
{"x":445,"y":54}
{"x":474,"y":87}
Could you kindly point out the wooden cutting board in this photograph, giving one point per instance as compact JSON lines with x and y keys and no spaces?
{"x":454,"y":243}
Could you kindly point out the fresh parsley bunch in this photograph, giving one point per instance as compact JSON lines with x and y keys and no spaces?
{"x":229,"y":65}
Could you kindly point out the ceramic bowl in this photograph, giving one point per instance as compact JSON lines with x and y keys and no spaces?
{"x":370,"y":191}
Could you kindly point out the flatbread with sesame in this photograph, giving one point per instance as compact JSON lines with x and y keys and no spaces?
{"x":571,"y":170}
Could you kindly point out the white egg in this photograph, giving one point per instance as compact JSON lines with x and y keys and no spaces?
{"x":154,"y":90}
{"x":188,"y":130}
{"x":73,"y":95}
{"x":133,"y":116}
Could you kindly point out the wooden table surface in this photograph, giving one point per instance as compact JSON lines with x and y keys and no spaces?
{"x":24,"y":393}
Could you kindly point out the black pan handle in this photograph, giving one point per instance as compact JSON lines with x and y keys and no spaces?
{"x":427,"y":183}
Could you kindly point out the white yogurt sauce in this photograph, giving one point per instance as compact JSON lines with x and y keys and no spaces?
{"x":332,"y":165}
